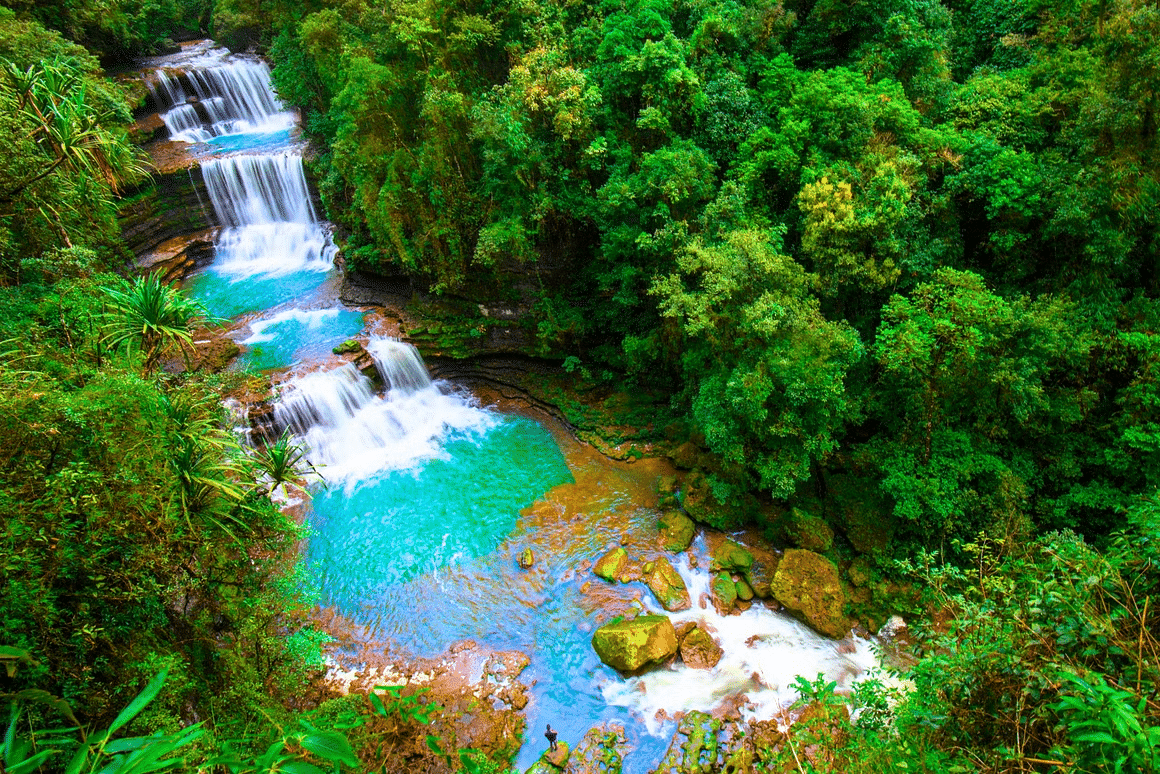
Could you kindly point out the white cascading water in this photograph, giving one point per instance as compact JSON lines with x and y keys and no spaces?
{"x":351,"y":433}
{"x":230,"y":95}
{"x":763,"y":654}
{"x":270,"y":224}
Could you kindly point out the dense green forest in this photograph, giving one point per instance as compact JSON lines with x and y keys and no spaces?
{"x":895,"y":260}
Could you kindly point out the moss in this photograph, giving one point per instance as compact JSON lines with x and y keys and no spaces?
{"x":676,"y":531}
{"x":808,"y":585}
{"x":810,"y":532}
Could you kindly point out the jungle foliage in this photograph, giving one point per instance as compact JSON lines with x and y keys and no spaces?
{"x":909,"y":241}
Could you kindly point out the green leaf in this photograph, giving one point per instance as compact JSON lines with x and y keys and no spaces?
{"x":300,"y":767}
{"x":33,"y":763}
{"x":1101,"y":737}
{"x":141,"y":701}
{"x":331,"y":746}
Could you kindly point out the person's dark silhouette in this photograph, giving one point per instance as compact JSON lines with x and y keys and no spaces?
{"x":551,"y":737}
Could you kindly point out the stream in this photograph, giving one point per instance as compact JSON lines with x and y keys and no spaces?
{"x":429,"y":495}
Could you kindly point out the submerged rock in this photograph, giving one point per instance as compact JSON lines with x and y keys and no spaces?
{"x":667,"y":585}
{"x":699,"y":650}
{"x":631,"y":645}
{"x":809,"y":586}
{"x":611,"y":565}
{"x":676,"y":531}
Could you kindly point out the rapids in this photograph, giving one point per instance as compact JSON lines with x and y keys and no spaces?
{"x":426,"y":496}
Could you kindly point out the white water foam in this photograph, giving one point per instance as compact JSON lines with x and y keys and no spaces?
{"x":351,"y":433}
{"x":763,"y":653}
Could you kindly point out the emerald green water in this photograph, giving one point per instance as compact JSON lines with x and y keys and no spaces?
{"x":403,"y":524}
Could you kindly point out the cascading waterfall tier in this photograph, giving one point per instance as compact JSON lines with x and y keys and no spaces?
{"x":351,"y":433}
{"x":207,"y":93}
{"x":271,"y":227}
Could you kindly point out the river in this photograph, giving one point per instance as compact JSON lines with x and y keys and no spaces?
{"x":427,"y":496}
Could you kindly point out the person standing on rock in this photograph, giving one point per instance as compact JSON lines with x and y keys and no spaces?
{"x":551,"y":738}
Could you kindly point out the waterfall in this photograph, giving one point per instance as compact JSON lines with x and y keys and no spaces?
{"x":400,"y":365}
{"x":271,"y":226}
{"x":351,"y":433}
{"x":210,"y":93}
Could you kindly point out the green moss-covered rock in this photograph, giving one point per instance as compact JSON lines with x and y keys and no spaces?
{"x":346,"y":347}
{"x":744,"y":591}
{"x":724,"y":592}
{"x":695,"y":748}
{"x":601,"y":751}
{"x":667,"y":488}
{"x":809,"y":532}
{"x":808,"y":585}
{"x":526,"y":559}
{"x":760,"y":574}
{"x":699,"y":650}
{"x":685,"y":456}
{"x":676,"y":531}
{"x":730,"y":556}
{"x":666,"y":585}
{"x":631,"y":645}
{"x":612,"y":565}
{"x":860,"y":573}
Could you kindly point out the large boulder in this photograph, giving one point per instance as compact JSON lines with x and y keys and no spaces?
{"x":699,"y":650}
{"x":730,"y":556}
{"x":809,"y":586}
{"x":631,"y":645}
{"x":676,"y":531}
{"x":666,"y":585}
{"x":611,"y":565}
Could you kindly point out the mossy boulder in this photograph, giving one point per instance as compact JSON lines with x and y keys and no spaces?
{"x":699,"y":650}
{"x":860,"y":572}
{"x":632,"y":645}
{"x":730,"y":556}
{"x":744,"y":590}
{"x":676,"y":531}
{"x":347,"y":347}
{"x":666,"y":585}
{"x":724,"y":591}
{"x":808,"y":585}
{"x":686,"y":455}
{"x":809,"y":531}
{"x":526,"y":559}
{"x":760,"y":574}
{"x":612,"y":565}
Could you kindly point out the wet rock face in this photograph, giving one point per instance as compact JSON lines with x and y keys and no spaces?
{"x":760,"y":574}
{"x":809,"y":586}
{"x":631,"y":645}
{"x":699,"y":650}
{"x":676,"y":531}
{"x":612,"y":565}
{"x":731,"y":556}
{"x":667,"y":585}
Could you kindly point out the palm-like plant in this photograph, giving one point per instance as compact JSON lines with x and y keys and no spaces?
{"x":283,"y":461}
{"x":152,"y":316}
